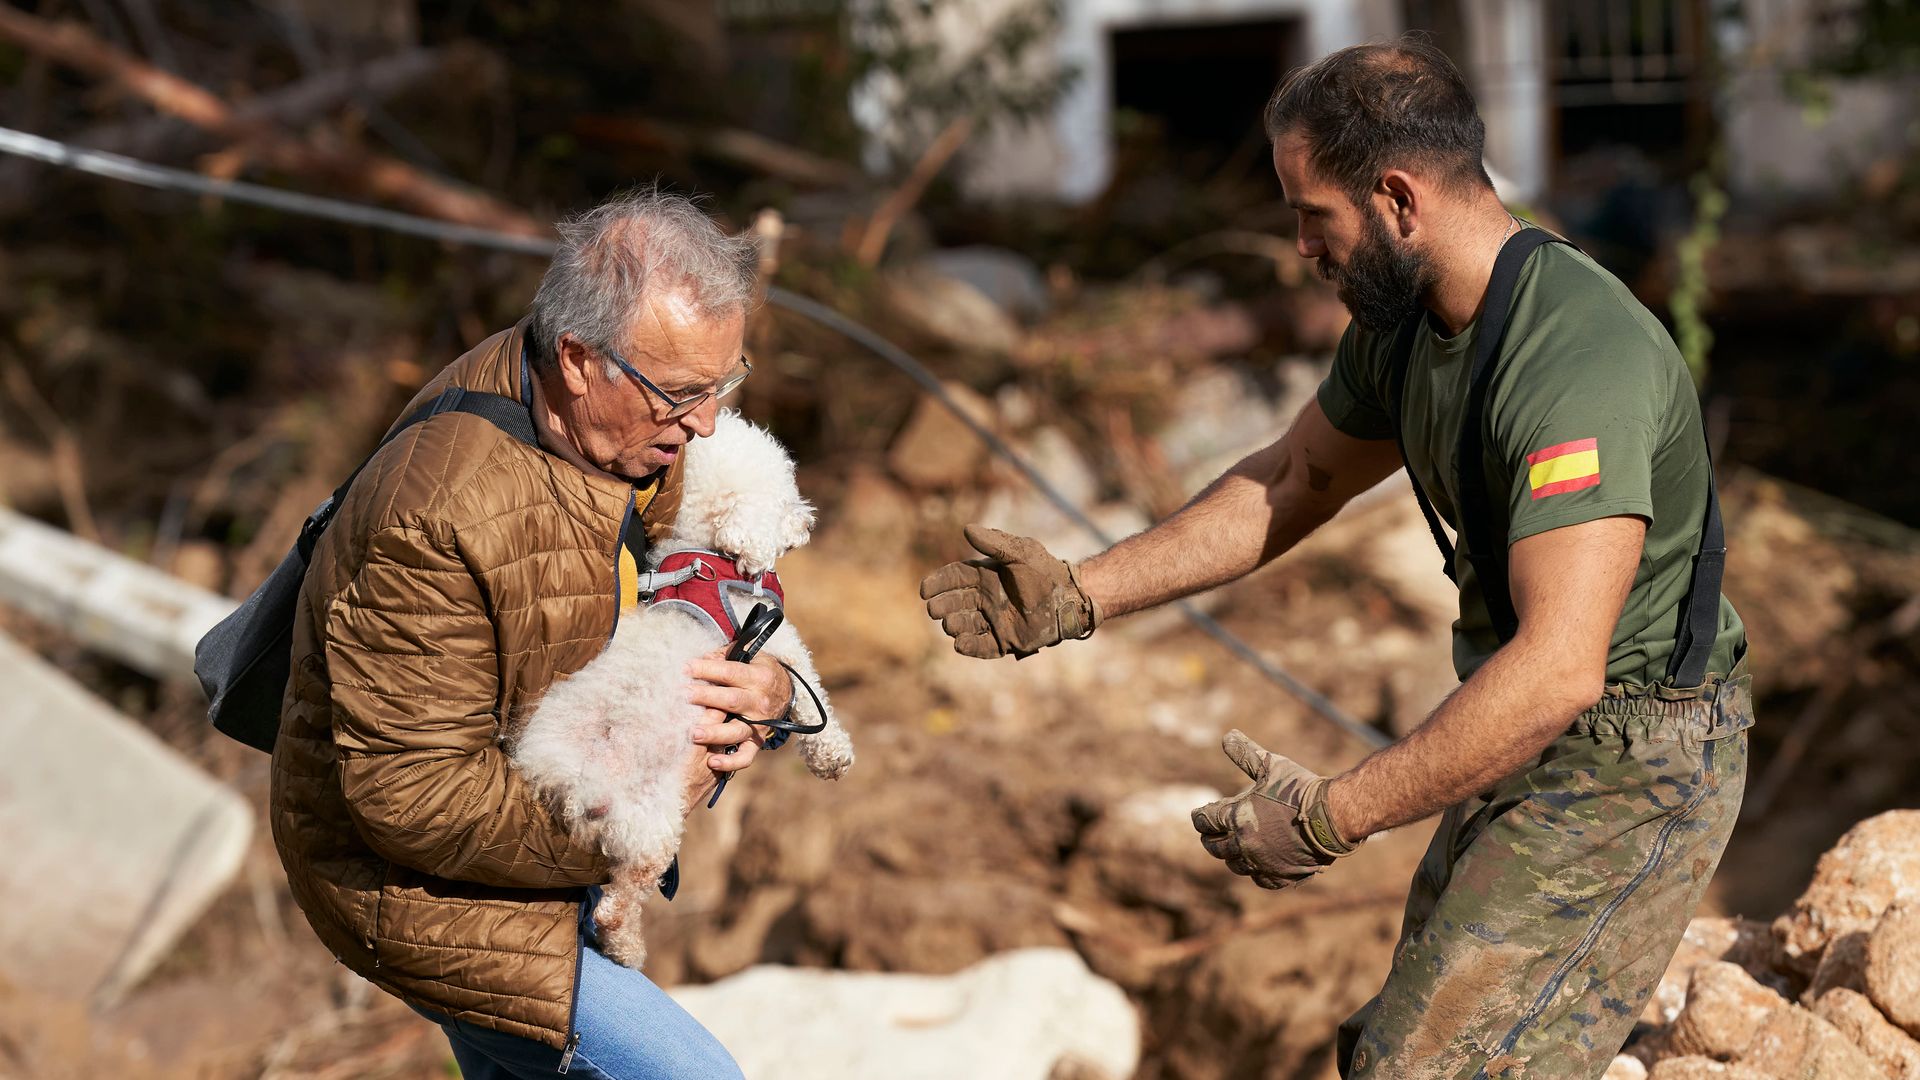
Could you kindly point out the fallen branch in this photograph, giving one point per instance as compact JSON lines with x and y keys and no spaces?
{"x":370,"y":173}
{"x":873,"y":239}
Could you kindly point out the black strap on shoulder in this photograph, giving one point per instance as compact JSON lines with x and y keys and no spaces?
{"x":1488,"y":551}
{"x":504,"y":413}
{"x":1396,"y":398}
{"x":1700,"y":620}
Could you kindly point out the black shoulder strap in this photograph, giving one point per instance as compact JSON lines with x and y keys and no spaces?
{"x":505,"y":413}
{"x":1398,"y":360}
{"x":1487,"y":551}
{"x":1700,"y":619}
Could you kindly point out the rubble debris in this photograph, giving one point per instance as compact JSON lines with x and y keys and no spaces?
{"x":1875,"y":865}
{"x":1893,"y":966}
{"x":1857,"y":934}
{"x":1794,"y":1043}
{"x":1725,"y":1010}
{"x":1745,"y":942}
{"x":1896,"y":1052}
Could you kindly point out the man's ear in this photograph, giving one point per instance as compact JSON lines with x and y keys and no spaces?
{"x":574,"y":364}
{"x":1402,"y":197}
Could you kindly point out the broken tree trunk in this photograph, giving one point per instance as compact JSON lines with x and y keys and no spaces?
{"x":146,"y":619}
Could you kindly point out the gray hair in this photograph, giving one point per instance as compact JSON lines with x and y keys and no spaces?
{"x":610,"y":256}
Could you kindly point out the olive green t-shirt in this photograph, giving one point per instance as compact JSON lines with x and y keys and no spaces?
{"x":1591,"y":414}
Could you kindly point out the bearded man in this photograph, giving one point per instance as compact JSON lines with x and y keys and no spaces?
{"x":1589,"y":768}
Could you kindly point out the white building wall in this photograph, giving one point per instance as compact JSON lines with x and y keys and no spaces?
{"x":1069,"y":154}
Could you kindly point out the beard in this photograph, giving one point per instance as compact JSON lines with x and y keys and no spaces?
{"x":1382,"y":280}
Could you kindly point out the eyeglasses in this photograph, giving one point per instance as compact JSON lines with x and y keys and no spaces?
{"x":677,"y":407}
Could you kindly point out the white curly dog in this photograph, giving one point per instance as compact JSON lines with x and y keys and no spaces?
{"x":609,"y":744}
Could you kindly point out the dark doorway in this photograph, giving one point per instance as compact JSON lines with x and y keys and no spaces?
{"x":1202,"y":88}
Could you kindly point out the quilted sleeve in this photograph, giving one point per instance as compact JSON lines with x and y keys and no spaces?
{"x":410,"y":655}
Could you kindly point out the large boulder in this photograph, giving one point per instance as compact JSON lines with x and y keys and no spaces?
{"x":1033,"y":1014}
{"x":1874,"y":866}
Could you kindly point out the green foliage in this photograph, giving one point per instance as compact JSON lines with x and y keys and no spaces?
{"x":1691,"y":288}
{"x":901,"y":47}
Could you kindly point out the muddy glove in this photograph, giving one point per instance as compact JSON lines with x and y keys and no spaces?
{"x":1277,"y":831}
{"x":1018,"y":600}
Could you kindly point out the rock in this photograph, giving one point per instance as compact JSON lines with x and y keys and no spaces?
{"x":1005,"y":277}
{"x":1625,"y":1067}
{"x":1842,"y":965}
{"x":1725,"y":1010}
{"x":1745,"y":942}
{"x":1793,"y":1042}
{"x":948,"y":310}
{"x":1875,"y":865}
{"x":1893,"y":966}
{"x":1143,"y":850}
{"x":936,"y":449}
{"x":875,"y":514}
{"x":1703,"y":1068}
{"x":1897,"y":1053}
{"x":1032,"y":1014}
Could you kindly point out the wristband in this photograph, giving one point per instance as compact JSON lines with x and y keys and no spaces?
{"x":1316,"y":823}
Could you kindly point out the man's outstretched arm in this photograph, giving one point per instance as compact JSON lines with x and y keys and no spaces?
{"x":1020,"y":599}
{"x":1254,"y":513}
{"x":1568,"y":588}
{"x":1569,"y":585}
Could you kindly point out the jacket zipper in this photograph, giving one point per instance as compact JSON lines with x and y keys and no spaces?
{"x":579,"y":957}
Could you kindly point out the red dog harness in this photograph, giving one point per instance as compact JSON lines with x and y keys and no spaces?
{"x":702,"y":583}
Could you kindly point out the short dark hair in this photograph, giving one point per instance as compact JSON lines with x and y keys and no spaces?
{"x":1369,"y":108}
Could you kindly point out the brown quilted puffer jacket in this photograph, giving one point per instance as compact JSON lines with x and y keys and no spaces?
{"x":464,"y":573}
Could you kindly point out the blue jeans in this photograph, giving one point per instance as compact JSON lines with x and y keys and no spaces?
{"x":629,"y":1029}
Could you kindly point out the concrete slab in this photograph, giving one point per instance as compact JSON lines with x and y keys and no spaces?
{"x":114,"y":842}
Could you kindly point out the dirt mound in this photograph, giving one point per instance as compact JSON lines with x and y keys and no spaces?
{"x":1847,"y":958}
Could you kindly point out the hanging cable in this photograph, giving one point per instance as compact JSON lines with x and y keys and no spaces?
{"x":129,"y":170}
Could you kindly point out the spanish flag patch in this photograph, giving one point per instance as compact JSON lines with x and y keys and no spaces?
{"x":1569,"y":466}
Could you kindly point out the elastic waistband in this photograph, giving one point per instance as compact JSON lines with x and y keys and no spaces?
{"x":1720,"y":707}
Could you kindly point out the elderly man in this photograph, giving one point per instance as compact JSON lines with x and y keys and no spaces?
{"x":464,"y":573}
{"x":1590,"y":767}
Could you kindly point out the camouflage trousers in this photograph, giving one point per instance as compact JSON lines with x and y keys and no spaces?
{"x":1545,"y":911}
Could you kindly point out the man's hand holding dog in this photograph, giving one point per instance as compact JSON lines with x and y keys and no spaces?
{"x":760,"y":690}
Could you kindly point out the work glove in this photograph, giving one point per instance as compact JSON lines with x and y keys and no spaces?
{"x":1018,"y":600}
{"x":1277,"y":831}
